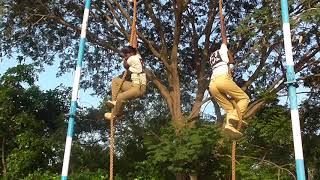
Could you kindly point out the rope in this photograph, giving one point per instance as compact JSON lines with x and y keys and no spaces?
{"x":134,"y":44}
{"x":112,"y":129}
{"x":133,"y":36}
{"x":111,"y":147}
{"x":234,"y":143}
{"x":233,"y":160}
{"x":223,"y":31}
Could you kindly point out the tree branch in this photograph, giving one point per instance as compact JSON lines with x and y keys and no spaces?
{"x":200,"y":62}
{"x":207,"y":30}
{"x":177,"y":32}
{"x":298,"y":66}
{"x":279,"y":84}
{"x":90,"y":36}
{"x":163,"y":89}
{"x":121,"y":26}
{"x":264,"y":56}
{"x":156,"y":21}
{"x":202,"y":82}
{"x":147,"y":42}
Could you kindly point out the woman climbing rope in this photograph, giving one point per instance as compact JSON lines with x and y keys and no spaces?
{"x":221,"y":85}
{"x":123,"y":91}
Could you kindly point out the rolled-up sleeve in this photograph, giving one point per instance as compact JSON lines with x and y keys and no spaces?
{"x":224,"y":52}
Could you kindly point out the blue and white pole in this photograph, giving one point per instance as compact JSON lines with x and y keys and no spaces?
{"x":75,"y":88}
{"x":291,"y":81}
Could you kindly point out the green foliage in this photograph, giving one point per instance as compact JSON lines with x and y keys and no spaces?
{"x":268,"y":97}
{"x":87,"y":174}
{"x":47,"y":175}
{"x":14,"y":77}
{"x":253,"y":169}
{"x":32,"y":123}
{"x":147,"y":170}
{"x":267,"y":151}
{"x":91,"y":157}
{"x":272,"y":127}
{"x":80,"y":174}
{"x":310,"y":136}
{"x":312,"y":12}
{"x":185,"y":152}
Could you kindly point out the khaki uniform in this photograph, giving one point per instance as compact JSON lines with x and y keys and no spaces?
{"x":222,"y":85}
{"x":129,"y":90}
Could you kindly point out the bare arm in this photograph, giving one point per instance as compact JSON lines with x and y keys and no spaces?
{"x":231,"y":57}
{"x":125,"y":64}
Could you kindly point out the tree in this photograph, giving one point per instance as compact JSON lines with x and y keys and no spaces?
{"x":176,"y":39}
{"x":32,"y":124}
{"x":310,"y":132}
{"x":175,"y":50}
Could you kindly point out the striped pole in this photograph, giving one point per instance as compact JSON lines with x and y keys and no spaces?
{"x":75,"y":88}
{"x":291,"y":81}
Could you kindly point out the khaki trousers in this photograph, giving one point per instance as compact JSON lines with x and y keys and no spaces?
{"x":128,"y":91}
{"x":222,"y":86}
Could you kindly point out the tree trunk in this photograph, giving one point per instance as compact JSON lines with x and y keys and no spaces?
{"x":193,"y":177}
{"x":3,"y":159}
{"x":181,"y":176}
{"x":174,"y":81}
{"x":254,"y":108}
{"x":194,"y":115}
{"x":177,"y":117}
{"x":217,"y":112}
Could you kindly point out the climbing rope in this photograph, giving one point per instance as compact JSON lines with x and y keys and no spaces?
{"x":234,"y":143}
{"x":111,"y":147}
{"x":233,"y":160}
{"x":133,"y":35}
{"x":112,"y":129}
{"x":134,"y":44}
